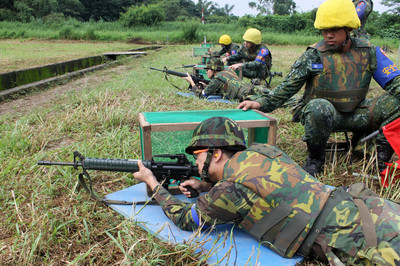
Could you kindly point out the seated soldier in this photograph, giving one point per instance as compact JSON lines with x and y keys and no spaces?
{"x":265,"y":193}
{"x":337,"y":73}
{"x":225,"y":83}
{"x":253,"y":57}
{"x":228,"y":48}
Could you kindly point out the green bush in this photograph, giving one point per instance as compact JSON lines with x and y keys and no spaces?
{"x":142,"y":16}
{"x":6,"y":15}
{"x":392,"y":32}
{"x":67,"y":33}
{"x":190,"y":31}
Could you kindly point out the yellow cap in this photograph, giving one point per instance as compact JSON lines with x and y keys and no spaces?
{"x":225,"y":39}
{"x":252,"y":35}
{"x":337,"y":14}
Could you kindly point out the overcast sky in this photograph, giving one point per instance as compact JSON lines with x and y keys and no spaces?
{"x":242,"y":7}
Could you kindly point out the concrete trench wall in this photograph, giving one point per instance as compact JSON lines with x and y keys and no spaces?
{"x":23,"y":81}
{"x":18,"y":78}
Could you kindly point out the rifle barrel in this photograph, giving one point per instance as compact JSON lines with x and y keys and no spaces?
{"x":56,"y":163}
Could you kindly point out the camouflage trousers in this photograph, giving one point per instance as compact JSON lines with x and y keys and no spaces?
{"x":255,"y":72}
{"x":320,"y":118}
{"x":342,"y":238}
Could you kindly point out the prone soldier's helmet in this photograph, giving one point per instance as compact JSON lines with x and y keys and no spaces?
{"x":252,"y":35}
{"x":225,"y":39}
{"x":337,"y":14}
{"x":217,"y":132}
{"x":215,"y":64}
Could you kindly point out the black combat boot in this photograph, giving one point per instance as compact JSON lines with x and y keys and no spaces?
{"x":315,"y":160}
{"x":384,"y":153}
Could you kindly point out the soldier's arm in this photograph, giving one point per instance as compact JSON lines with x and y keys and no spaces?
{"x":213,"y":88}
{"x":299,"y":73}
{"x":235,"y":58}
{"x":226,"y":202}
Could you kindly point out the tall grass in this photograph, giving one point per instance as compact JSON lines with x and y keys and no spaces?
{"x":171,"y":32}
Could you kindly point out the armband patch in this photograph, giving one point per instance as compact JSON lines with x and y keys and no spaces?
{"x":386,"y":69}
{"x":196,"y":217}
{"x":360,"y":9}
{"x":261,"y":55}
{"x":233,"y":52}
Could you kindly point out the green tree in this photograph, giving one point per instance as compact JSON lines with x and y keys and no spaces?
{"x":142,"y":15}
{"x":278,"y":7}
{"x":393,"y":4}
{"x":107,"y":10}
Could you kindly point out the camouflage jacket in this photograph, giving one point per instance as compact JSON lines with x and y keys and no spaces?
{"x":261,"y":181}
{"x":228,"y":84}
{"x":229,"y":50}
{"x":381,"y":68}
{"x":255,"y":184}
{"x":258,"y":59}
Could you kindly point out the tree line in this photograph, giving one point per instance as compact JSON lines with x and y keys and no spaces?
{"x":106,"y":10}
{"x":276,"y":15}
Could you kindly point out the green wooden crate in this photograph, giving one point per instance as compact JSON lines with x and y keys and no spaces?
{"x":170,"y":132}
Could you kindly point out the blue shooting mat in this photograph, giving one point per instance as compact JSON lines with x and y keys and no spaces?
{"x":211,"y":98}
{"x":240,"y":247}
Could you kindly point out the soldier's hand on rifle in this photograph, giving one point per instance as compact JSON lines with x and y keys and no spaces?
{"x":245,"y":105}
{"x":224,"y":59}
{"x":189,"y":79}
{"x":200,"y":186}
{"x":236,"y":66}
{"x":145,"y":175}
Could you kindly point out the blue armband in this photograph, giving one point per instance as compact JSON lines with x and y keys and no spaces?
{"x":360,"y":9}
{"x":261,"y":55}
{"x":233,"y":52}
{"x":386,"y":69}
{"x":195,"y":217}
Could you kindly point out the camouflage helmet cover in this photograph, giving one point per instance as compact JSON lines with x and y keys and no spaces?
{"x":215,"y":64}
{"x":217,"y":132}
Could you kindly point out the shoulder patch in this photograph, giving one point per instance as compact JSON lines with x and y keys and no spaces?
{"x":362,"y":43}
{"x":317,"y":66}
{"x":265,"y":149}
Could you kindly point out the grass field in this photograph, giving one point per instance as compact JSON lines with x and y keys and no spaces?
{"x":46,"y":219}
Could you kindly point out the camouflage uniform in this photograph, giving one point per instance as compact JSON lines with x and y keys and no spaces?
{"x":271,"y":197}
{"x":229,"y":50}
{"x":228,"y":85}
{"x":364,"y":9}
{"x":313,"y":111}
{"x":256,"y":62}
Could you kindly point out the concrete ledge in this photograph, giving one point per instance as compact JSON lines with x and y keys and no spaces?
{"x":24,"y":81}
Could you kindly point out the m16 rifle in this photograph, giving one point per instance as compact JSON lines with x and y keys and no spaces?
{"x":178,"y":168}
{"x":196,"y":79}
